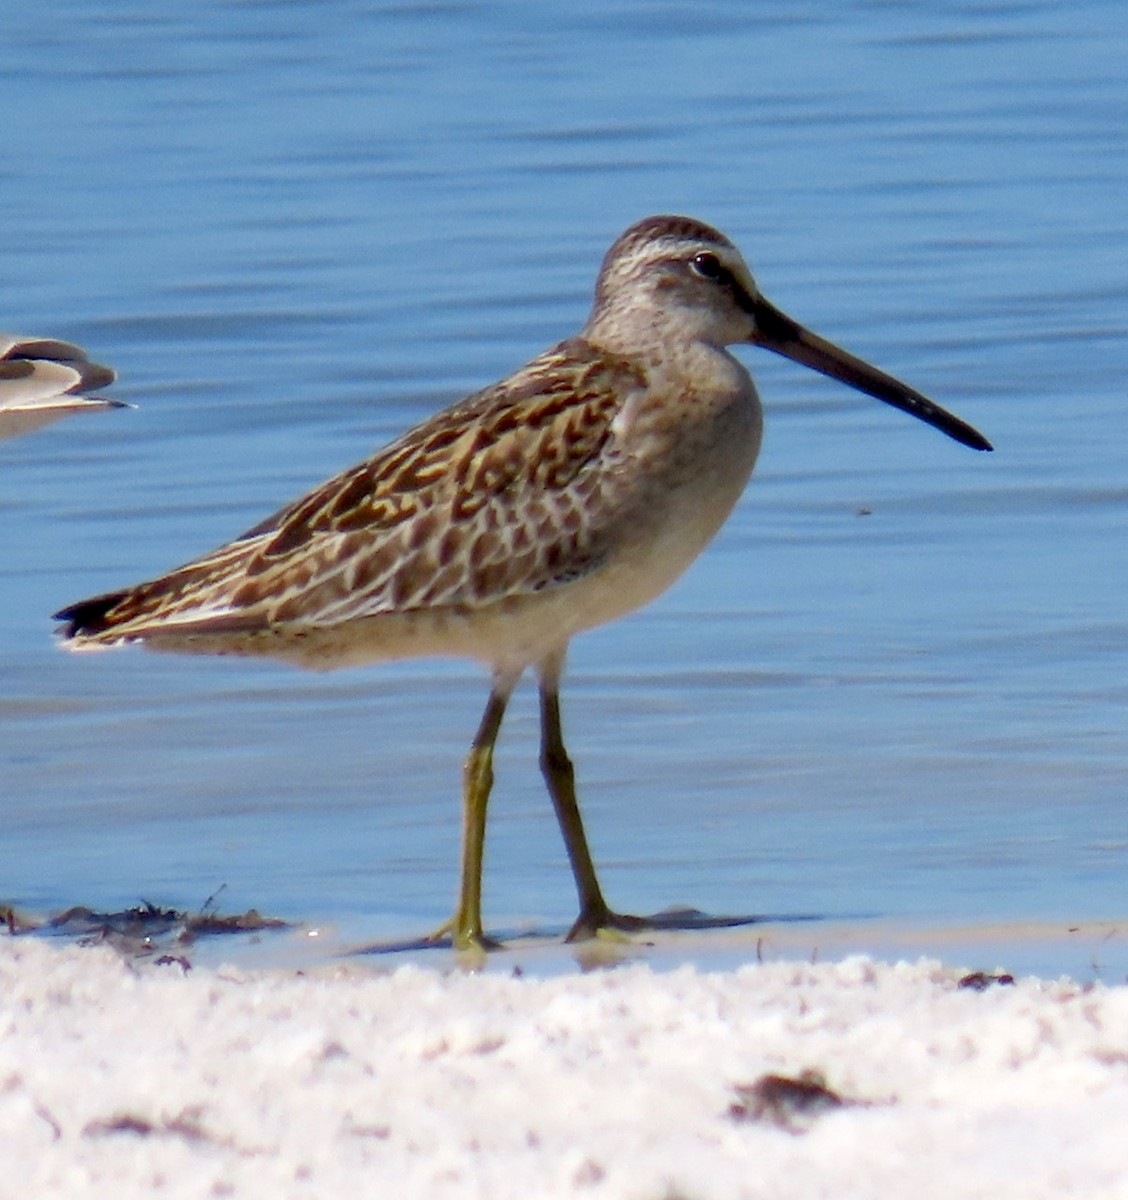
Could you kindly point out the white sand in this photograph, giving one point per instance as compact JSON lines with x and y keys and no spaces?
{"x":363,"y":1081}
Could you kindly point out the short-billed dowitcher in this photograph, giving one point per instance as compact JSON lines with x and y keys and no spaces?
{"x":566,"y":495}
{"x":43,"y":379}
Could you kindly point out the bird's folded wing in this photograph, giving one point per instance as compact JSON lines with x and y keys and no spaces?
{"x":505,"y":494}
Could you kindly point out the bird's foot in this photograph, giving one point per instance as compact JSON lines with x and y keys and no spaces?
{"x":463,"y":936}
{"x":600,"y":922}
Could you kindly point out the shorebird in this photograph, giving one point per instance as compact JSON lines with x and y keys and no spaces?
{"x":568,"y":494}
{"x":43,"y":379}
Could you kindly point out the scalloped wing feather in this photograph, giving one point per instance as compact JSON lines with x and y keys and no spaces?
{"x":503,"y":494}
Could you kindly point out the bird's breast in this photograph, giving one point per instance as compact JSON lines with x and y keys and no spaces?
{"x":681,"y":466}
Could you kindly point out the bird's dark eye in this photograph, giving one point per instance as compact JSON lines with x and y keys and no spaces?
{"x":707,"y":265}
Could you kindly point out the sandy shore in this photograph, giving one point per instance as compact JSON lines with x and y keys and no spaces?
{"x":855,"y":1078}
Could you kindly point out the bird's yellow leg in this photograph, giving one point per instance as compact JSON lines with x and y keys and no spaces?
{"x":596,"y":918}
{"x":465,"y":927}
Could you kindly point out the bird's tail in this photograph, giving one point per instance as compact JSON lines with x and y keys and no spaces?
{"x":89,"y":618}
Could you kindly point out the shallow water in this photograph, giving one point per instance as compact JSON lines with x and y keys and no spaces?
{"x":895,"y":686}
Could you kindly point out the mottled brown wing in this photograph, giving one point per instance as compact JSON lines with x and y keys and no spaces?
{"x":497,"y":496}
{"x":490,"y":498}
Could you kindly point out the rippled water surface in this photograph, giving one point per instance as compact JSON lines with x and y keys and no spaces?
{"x":896,"y":685}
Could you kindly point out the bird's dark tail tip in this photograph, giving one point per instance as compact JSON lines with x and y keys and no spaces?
{"x":88,"y":618}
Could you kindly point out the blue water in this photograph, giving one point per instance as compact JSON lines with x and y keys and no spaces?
{"x":897,"y":683}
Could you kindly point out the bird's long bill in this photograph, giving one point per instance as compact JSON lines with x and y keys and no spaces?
{"x":777,"y":331}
